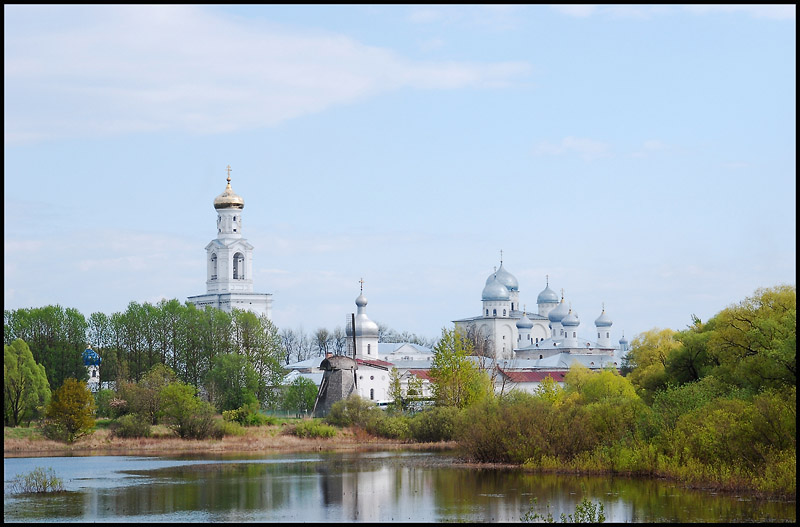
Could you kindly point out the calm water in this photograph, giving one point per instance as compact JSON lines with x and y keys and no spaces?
{"x":368,"y":487}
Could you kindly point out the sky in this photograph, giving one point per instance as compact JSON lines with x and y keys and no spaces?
{"x":640,"y":158}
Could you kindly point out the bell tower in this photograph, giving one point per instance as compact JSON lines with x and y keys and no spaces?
{"x":229,"y":261}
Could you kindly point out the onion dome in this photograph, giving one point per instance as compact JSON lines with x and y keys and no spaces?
{"x":91,"y":358}
{"x":229,"y":199}
{"x":494,"y":290}
{"x":507,"y":279}
{"x":524,"y":322}
{"x":364,"y":326}
{"x":623,"y":341}
{"x":570,"y":320}
{"x":547,"y":296}
{"x":603,"y":321}
{"x":559,"y":312}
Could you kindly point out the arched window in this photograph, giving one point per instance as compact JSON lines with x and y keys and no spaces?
{"x":494,"y":312}
{"x":372,"y":393}
{"x":504,"y":312}
{"x":607,"y":334}
{"x":238,"y":266}
{"x":214,"y":266}
{"x":540,"y":356}
{"x":487,"y":312}
{"x":573,"y":334}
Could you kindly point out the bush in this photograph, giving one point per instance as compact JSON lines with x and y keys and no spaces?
{"x":353,"y":411}
{"x":186,"y":415}
{"x":39,"y":480}
{"x":230,"y":428}
{"x":391,"y":427}
{"x":433,"y":425}
{"x":131,"y":425}
{"x":70,"y":413}
{"x":313,"y":429}
{"x":102,"y":401}
{"x":248,"y":415}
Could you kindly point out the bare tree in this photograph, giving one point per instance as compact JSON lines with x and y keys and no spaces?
{"x":322,"y":341}
{"x":289,"y":341}
{"x":338,"y":341}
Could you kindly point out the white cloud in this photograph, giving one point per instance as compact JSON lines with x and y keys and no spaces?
{"x":118,"y":69}
{"x":585,"y":148}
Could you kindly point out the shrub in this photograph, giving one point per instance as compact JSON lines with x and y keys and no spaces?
{"x":391,"y":427}
{"x":131,"y":425}
{"x":434,"y":424}
{"x":102,"y":401}
{"x":313,"y":429}
{"x":230,"y":428}
{"x":353,"y":411}
{"x":70,"y":413}
{"x":39,"y":480}
{"x":248,"y":415}
{"x":186,"y":415}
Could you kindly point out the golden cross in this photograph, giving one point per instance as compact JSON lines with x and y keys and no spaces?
{"x":229,"y":172}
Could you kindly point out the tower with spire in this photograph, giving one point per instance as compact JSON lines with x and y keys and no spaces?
{"x":229,"y":262}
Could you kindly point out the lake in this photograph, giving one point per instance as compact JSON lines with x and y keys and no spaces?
{"x":346,"y":487}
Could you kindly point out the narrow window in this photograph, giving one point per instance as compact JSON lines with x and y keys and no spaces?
{"x":372,"y":393}
{"x":607,"y":335}
{"x":540,"y":356}
{"x":504,"y":312}
{"x":573,"y":334}
{"x":494,"y":312}
{"x":368,"y":348}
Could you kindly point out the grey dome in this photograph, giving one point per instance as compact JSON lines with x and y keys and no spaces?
{"x":361,"y":300}
{"x":547,"y":296}
{"x":524,"y":322}
{"x":507,"y":279}
{"x":495,"y":290}
{"x":364,"y":326}
{"x":603,"y":321}
{"x":570,"y":320}
{"x":559,"y":312}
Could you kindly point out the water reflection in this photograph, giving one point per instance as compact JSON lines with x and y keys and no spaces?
{"x":369,"y":487}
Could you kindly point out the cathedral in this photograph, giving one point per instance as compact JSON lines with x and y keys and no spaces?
{"x":229,"y":262}
{"x":506,"y":332}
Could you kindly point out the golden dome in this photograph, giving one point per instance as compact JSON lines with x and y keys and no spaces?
{"x":229,"y":199}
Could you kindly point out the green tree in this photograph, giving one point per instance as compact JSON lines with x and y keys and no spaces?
{"x":691,"y":361}
{"x":232,"y":381}
{"x":648,"y":359}
{"x":258,"y":339}
{"x":25,"y":386}
{"x":300,"y":396}
{"x":70,"y":413}
{"x":144,"y":398}
{"x":755,"y":341}
{"x":457,"y":381}
{"x":185,"y":414}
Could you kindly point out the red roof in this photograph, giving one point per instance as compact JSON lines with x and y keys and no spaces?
{"x":375,"y":362}
{"x":422,"y":374}
{"x":533,"y":376}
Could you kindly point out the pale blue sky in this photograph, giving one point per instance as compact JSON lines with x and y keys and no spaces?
{"x":641,"y":156}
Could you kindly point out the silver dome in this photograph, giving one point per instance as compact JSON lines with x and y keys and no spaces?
{"x":524,"y":322}
{"x":603,"y":321}
{"x":507,"y":279}
{"x":547,"y":296}
{"x":571,"y":319}
{"x":495,"y":290}
{"x":559,"y":312}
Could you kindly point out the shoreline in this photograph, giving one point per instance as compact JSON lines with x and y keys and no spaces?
{"x":269,"y":439}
